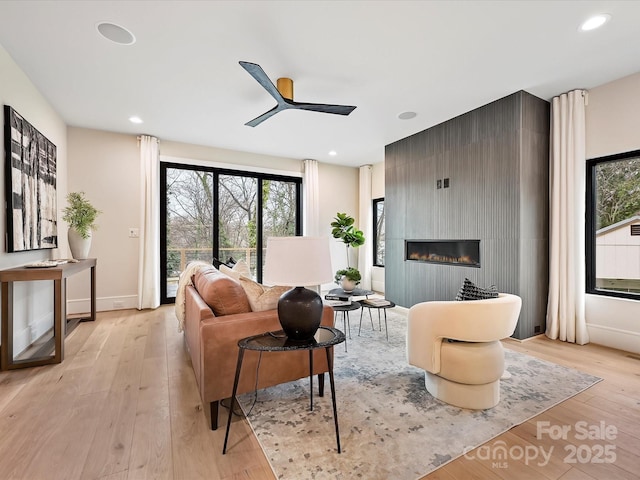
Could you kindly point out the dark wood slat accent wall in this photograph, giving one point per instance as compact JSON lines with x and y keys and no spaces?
{"x":497,"y":160}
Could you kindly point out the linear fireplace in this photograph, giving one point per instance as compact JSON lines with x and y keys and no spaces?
{"x":449,"y":252}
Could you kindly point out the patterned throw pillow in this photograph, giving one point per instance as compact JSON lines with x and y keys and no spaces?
{"x":470,"y":291}
{"x":262,"y":298}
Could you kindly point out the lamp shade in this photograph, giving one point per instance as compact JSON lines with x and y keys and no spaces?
{"x":297,"y":261}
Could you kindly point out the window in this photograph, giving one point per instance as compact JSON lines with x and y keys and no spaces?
{"x":613,"y":220}
{"x":212,"y":213}
{"x":378,"y":232}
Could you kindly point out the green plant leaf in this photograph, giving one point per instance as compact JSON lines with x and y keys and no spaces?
{"x":80,"y":214}
{"x":351,"y":273}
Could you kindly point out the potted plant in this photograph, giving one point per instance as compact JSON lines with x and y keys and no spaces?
{"x":343,"y":229}
{"x":348,"y":278}
{"x":81,"y":217}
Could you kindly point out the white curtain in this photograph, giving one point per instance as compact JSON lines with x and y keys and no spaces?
{"x":365,"y":252}
{"x":566,"y":303}
{"x":311,"y":199}
{"x":149,"y":246}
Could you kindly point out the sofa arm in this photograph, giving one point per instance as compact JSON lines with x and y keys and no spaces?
{"x":219,"y":338}
{"x":196,"y":310}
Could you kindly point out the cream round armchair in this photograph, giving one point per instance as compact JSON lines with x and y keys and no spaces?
{"x":464,"y":372}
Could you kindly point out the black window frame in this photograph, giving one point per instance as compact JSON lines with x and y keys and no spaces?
{"x":590,"y":230}
{"x":216,"y":172}
{"x":375,"y":203}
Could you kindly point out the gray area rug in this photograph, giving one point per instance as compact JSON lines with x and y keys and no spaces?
{"x":390,"y":426}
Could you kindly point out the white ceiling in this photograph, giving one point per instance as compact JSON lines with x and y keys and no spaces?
{"x":182,"y":77}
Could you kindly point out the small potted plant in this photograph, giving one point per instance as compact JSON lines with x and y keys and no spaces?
{"x":81,"y":217}
{"x":348,"y":278}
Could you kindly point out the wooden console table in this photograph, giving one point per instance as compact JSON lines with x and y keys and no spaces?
{"x":61,"y":325}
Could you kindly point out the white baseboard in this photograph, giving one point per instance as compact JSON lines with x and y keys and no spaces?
{"x":377,"y":286}
{"x":614,"y":337}
{"x":83,"y":305}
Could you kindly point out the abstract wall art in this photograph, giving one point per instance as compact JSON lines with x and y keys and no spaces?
{"x":30,"y":185}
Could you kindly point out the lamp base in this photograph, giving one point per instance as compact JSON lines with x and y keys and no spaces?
{"x":300,"y":313}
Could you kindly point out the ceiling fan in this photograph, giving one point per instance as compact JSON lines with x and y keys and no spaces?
{"x":284,"y":96}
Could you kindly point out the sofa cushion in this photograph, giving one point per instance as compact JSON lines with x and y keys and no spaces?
{"x":222,"y":293}
{"x":470,"y":291}
{"x":239,"y":269}
{"x":260,"y":297}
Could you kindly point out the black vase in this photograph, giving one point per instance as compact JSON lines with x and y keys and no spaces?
{"x":300,"y":313}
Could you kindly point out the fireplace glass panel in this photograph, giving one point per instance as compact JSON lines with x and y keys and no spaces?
{"x":449,"y":252}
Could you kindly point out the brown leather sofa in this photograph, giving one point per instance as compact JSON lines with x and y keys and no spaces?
{"x":217,"y":315}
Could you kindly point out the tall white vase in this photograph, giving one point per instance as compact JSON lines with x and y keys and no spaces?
{"x":79,"y":246}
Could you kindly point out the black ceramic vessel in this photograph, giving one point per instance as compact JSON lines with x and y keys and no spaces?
{"x":300,"y":313}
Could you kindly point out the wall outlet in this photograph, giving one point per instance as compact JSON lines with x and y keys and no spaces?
{"x":134,"y":233}
{"x":438,"y":183}
{"x":118,"y":304}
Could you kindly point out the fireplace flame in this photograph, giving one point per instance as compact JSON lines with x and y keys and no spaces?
{"x":434,"y":257}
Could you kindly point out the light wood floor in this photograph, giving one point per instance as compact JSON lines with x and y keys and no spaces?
{"x":124,"y":405}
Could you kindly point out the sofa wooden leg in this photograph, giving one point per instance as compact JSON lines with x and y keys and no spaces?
{"x":213,"y":406}
{"x":321,"y":384}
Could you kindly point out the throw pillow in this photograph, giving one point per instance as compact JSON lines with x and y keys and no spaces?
{"x":240,"y":269}
{"x":223,"y":294}
{"x":470,"y":291}
{"x":260,"y":297}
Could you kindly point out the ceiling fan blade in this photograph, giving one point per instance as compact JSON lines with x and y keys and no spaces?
{"x":257,"y":72}
{"x":258,"y":120}
{"x":261,"y":77}
{"x":321,"y":107}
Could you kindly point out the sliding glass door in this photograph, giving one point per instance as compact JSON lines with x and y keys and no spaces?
{"x":211,"y":213}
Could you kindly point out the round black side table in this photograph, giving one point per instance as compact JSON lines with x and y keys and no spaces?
{"x":325,"y":337}
{"x":344,"y":310}
{"x":377,"y":307}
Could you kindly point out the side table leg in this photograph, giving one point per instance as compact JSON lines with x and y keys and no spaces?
{"x":233,"y":397}
{"x":385,"y":324}
{"x":344,"y":322}
{"x":311,"y":378}
{"x":333,"y":395}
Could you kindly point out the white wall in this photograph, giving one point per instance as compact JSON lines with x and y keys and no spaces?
{"x":33,"y":301}
{"x":338,"y":188}
{"x":613,"y":126}
{"x":105,"y":166}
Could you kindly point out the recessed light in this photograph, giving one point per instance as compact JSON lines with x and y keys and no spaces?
{"x":116,"y":33}
{"x":333,"y":153}
{"x":407,"y":115}
{"x":135,"y":119}
{"x":595,"y":22}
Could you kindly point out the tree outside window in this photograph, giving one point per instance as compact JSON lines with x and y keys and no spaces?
{"x":613,"y":225}
{"x":211,"y":213}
